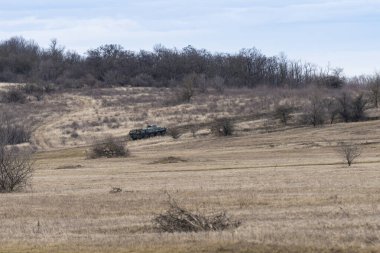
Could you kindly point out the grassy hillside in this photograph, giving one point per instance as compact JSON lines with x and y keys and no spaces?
{"x":287,"y":184}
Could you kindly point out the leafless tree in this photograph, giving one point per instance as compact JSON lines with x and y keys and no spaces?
{"x":345,"y":101}
{"x":332,"y":109}
{"x":374,"y":89}
{"x":315,"y":112}
{"x":16,"y":167}
{"x":349,"y":151}
{"x":188,"y":87}
{"x":358,"y":108}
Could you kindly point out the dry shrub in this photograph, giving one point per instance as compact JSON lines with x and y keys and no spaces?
{"x":109,"y":148}
{"x":11,"y":131}
{"x":178,"y":219}
{"x":16,"y":133}
{"x":223,"y":127}
{"x":349,"y":152}
{"x":174,"y":133}
{"x":194,"y":129}
{"x":16,"y":168}
{"x":283,"y":113}
{"x":116,"y":190}
{"x":14,"y":96}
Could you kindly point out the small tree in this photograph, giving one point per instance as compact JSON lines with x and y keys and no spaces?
{"x":374,"y":90}
{"x":358,"y":108}
{"x":188,"y":87}
{"x":332,"y":109}
{"x":283,"y":113}
{"x":344,"y":102}
{"x":16,"y":167}
{"x":349,"y":152}
{"x":315,"y":112}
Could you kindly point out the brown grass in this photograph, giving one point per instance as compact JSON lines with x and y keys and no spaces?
{"x":289,"y":188}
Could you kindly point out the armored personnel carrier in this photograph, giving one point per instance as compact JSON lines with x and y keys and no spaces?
{"x":149,"y":131}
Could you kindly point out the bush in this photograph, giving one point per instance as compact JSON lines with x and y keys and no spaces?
{"x":74,"y":135}
{"x":349,"y":152}
{"x":332,"y":109}
{"x":352,"y":109}
{"x":12,"y":133}
{"x":283,"y":113}
{"x":174,"y":133}
{"x":223,"y":127}
{"x":16,"y":134}
{"x":315,"y":112}
{"x":178,"y":219}
{"x":16,"y":167}
{"x":13,"y":96}
{"x":109,"y":149}
{"x":358,"y":108}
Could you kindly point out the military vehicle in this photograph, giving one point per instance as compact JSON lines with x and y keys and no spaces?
{"x":149,"y":131}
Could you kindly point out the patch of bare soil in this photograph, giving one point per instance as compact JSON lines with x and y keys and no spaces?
{"x":169,"y":159}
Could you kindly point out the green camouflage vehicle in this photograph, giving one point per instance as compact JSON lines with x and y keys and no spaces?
{"x":149,"y":131}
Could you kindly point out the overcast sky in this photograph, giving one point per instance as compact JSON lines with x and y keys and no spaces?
{"x":342,"y":33}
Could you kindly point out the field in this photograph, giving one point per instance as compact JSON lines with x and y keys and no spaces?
{"x":287,"y":185}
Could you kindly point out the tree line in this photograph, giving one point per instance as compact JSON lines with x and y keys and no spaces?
{"x":24,"y":60}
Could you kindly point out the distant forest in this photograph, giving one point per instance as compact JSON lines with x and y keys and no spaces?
{"x":24,"y":60}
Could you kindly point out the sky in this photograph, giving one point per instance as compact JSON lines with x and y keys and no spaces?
{"x":336,"y":33}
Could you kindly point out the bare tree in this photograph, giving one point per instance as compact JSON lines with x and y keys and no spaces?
{"x":16,"y":167}
{"x":358,"y":108}
{"x":374,"y":89}
{"x":349,"y":152}
{"x":345,"y":102}
{"x":188,"y":87}
{"x":315,"y":112}
{"x":332,"y":109}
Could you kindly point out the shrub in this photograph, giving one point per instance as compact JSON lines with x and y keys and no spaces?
{"x":178,"y":219}
{"x":283,"y":113}
{"x":16,"y":167}
{"x":223,"y":127}
{"x":74,"y":135}
{"x":358,"y":108}
{"x":352,"y":109}
{"x":315,"y":112}
{"x":374,"y":89}
{"x":174,"y":133}
{"x":194,"y":129}
{"x":332,"y":109}
{"x":344,"y":102}
{"x":109,"y":148}
{"x":349,"y":152}
{"x":12,"y":133}
{"x":16,"y":134}
{"x":13,"y":96}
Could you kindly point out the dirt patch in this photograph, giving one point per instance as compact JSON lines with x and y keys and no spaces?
{"x":69,"y":167}
{"x":169,"y":159}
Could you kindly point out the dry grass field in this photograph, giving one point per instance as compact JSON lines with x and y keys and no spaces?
{"x":287,"y":185}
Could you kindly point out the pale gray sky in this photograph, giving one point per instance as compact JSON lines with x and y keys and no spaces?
{"x":344,"y":33}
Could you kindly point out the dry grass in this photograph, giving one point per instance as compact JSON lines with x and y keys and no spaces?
{"x":289,"y":188}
